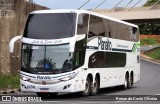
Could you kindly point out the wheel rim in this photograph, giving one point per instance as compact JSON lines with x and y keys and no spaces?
{"x":130,"y":81}
{"x":86,"y":87}
{"x":125,"y":83}
{"x":94,"y":86}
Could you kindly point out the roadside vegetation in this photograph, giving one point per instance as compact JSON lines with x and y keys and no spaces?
{"x":150,"y":2}
{"x":154,"y":53}
{"x":150,"y":41}
{"x":9,"y":81}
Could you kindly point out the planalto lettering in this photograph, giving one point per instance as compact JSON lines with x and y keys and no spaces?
{"x":43,"y":77}
{"x":104,"y":45}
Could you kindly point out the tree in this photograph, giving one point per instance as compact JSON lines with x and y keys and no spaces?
{"x":150,"y":2}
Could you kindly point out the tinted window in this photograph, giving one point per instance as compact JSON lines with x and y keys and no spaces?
{"x":82,"y":25}
{"x":134,"y":34}
{"x":79,"y":54}
{"x":99,"y":26}
{"x":107,"y":60}
{"x":121,"y":31}
{"x":96,"y":26}
{"x":46,"y":59}
{"x":138,"y":59}
{"x":50,"y":26}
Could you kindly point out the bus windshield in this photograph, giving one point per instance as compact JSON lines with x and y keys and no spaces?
{"x":50,"y":25}
{"x":46,"y":59}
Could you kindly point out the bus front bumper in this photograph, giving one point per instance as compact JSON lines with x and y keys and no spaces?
{"x":65,"y":86}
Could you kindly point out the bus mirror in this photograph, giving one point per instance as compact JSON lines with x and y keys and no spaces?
{"x":72,"y":44}
{"x":74,"y":39}
{"x":11,"y":43}
{"x":80,"y":37}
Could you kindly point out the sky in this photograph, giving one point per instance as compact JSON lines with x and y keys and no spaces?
{"x":75,"y":4}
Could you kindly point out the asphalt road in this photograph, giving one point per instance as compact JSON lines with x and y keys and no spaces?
{"x":146,"y":48}
{"x":149,"y":85}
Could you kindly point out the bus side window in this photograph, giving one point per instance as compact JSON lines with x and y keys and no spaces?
{"x":79,"y":54}
{"x":82,"y":25}
{"x":138,"y":59}
{"x":96,"y":26}
{"x":107,"y":60}
{"x":77,"y":59}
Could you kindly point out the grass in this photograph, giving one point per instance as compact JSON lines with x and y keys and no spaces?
{"x":155,"y":53}
{"x":149,"y":41}
{"x":9,"y":81}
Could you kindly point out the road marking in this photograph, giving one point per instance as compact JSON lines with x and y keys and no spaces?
{"x":124,"y":101}
{"x":151,"y":61}
{"x":69,"y":102}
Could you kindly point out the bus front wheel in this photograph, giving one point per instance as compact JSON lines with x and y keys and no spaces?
{"x":87,"y":87}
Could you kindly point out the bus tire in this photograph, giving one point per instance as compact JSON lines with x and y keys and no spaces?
{"x":87,"y":90}
{"x":131,"y":79}
{"x":94,"y":87}
{"x":126,"y":83}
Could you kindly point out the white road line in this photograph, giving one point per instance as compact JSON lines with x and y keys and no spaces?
{"x":29,"y":102}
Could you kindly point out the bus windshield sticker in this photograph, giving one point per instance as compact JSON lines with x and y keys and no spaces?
{"x":35,"y":47}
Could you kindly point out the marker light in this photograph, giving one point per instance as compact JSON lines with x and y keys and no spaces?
{"x":68,"y":77}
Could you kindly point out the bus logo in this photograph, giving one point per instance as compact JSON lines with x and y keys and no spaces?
{"x":43,"y":77}
{"x":44,"y":82}
{"x":104,"y":45}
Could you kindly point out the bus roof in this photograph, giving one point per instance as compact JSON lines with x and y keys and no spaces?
{"x":82,"y":11}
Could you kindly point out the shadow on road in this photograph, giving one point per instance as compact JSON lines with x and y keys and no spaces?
{"x":75,"y":96}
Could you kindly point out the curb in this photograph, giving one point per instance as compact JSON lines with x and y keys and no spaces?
{"x":144,"y":57}
{"x":9,"y":91}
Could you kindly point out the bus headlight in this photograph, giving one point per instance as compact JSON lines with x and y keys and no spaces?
{"x":25,"y":79}
{"x":65,"y":79}
{"x":68,"y":77}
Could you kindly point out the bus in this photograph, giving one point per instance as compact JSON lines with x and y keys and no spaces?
{"x":68,"y":51}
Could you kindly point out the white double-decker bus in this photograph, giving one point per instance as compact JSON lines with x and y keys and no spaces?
{"x":77,"y":51}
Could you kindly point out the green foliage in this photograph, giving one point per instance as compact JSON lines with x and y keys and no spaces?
{"x":149,"y":28}
{"x":155,"y":54}
{"x":150,"y":2}
{"x":148,"y":41}
{"x":9,"y":81}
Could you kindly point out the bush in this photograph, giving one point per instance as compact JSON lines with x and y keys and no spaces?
{"x":154,"y":53}
{"x":148,"y":41}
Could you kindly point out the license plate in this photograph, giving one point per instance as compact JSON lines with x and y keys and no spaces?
{"x":44,"y":89}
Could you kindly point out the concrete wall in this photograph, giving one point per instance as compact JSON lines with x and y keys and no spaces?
{"x":13,"y":16}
